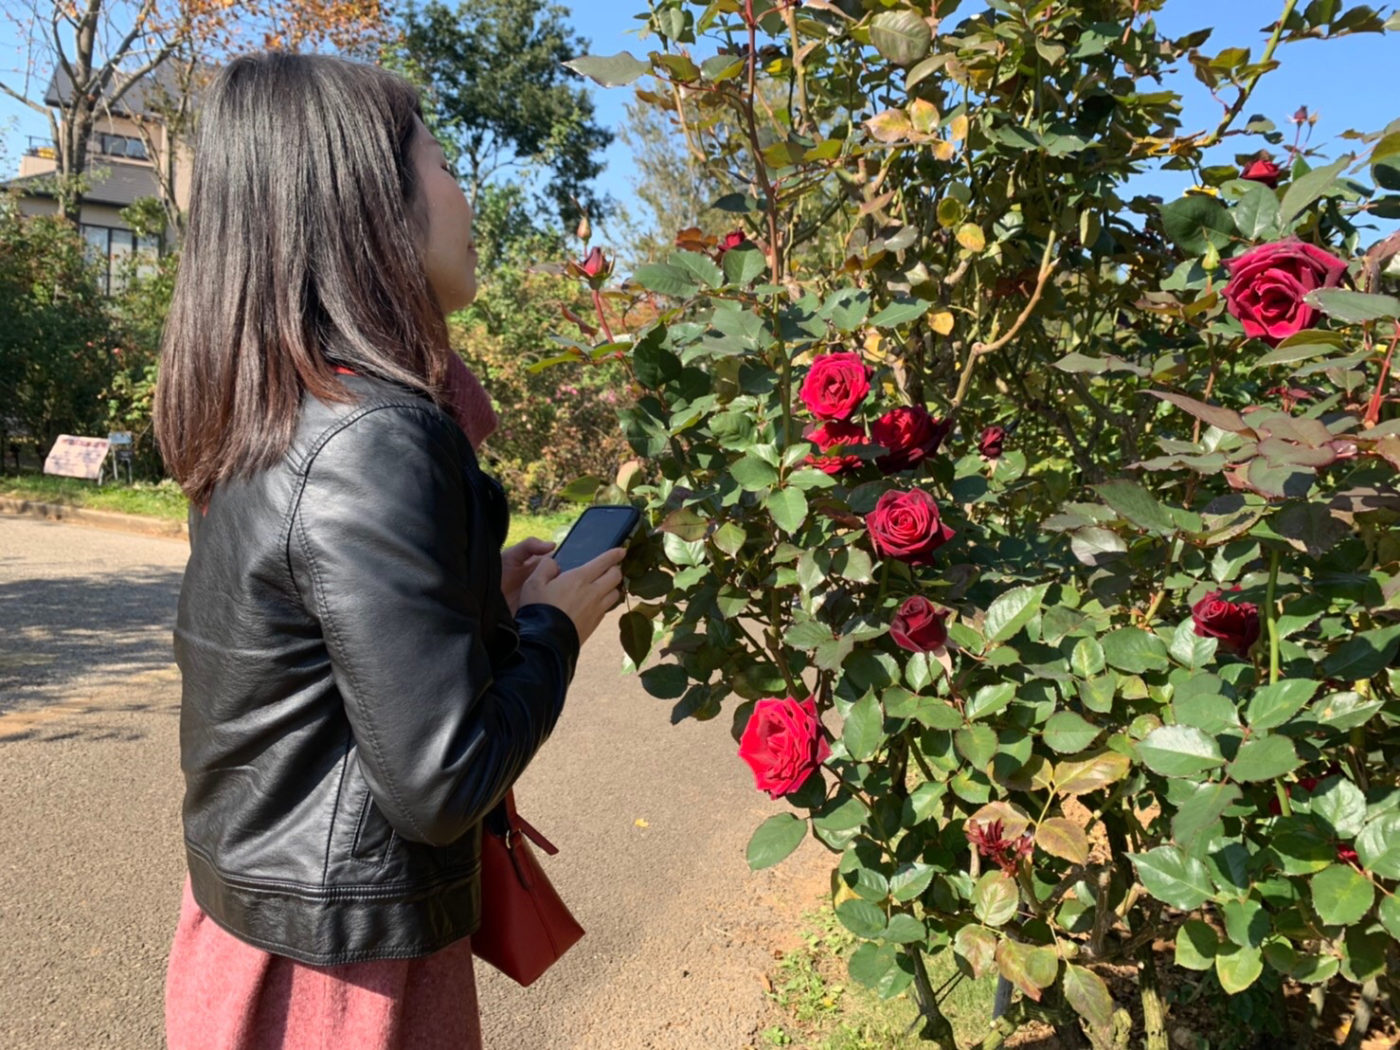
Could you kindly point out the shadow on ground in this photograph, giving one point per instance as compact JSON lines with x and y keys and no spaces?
{"x":68,"y":638}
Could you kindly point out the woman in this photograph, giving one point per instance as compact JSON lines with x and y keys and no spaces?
{"x":365,"y":674}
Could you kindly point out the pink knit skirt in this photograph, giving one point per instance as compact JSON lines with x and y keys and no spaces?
{"x":222,"y":994}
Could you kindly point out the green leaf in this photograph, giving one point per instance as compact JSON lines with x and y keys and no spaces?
{"x":1389,"y":912}
{"x":903,"y":37}
{"x":1310,"y":527}
{"x":1363,"y":655}
{"x":609,"y":70}
{"x":1090,"y":997}
{"x":1197,"y":701}
{"x":1304,"y":190}
{"x":1238,"y":968}
{"x":1069,"y":733}
{"x":1347,"y":710}
{"x":990,"y":699}
{"x":701,"y":267}
{"x":1030,"y":968}
{"x":977,"y":744}
{"x":1378,"y":846}
{"x":1340,"y":803}
{"x":1189,"y":649}
{"x":789,"y":508}
{"x":666,"y":279}
{"x":1341,"y":895}
{"x":1012,"y":611}
{"x":1133,"y":502}
{"x":976,"y":946}
{"x":898,"y":313}
{"x":1063,"y":838}
{"x":1196,"y":222}
{"x":995,"y":899}
{"x":1087,"y":658}
{"x":1246,"y":922}
{"x":905,"y":929}
{"x":861,"y":917}
{"x":864,"y":730}
{"x":1196,"y":945}
{"x":1273,"y":705}
{"x":666,"y":682}
{"x":743,"y":265}
{"x":1256,"y":214}
{"x":1264,"y":758}
{"x":775,"y":839}
{"x":1194,"y":822}
{"x":1304,"y":844}
{"x":1174,"y":878}
{"x":1179,"y":751}
{"x":1213,"y":415}
{"x":754,"y":474}
{"x":635,"y":631}
{"x":910,"y":880}
{"x":870,"y":963}
{"x":1134,"y":650}
{"x":1092,"y":773}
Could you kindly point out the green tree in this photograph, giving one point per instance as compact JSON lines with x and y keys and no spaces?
{"x":501,"y":101}
{"x":56,"y":341}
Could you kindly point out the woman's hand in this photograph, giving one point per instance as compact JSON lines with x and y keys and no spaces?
{"x":517,"y":563}
{"x":584,"y":594}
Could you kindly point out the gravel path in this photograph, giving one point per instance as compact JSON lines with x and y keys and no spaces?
{"x":651,"y":821}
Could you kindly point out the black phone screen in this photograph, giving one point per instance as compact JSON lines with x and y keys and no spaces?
{"x":598,"y":529}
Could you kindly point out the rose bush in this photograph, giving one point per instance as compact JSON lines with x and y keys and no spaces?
{"x":940,"y":216}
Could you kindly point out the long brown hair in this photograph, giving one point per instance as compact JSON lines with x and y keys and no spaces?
{"x":301,"y":255}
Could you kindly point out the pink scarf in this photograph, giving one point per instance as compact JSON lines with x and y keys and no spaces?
{"x":469,"y":403}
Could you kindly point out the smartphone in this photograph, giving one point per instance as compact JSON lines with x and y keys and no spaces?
{"x":597,"y":529}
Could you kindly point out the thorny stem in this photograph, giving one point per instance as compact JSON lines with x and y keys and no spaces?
{"x":1373,"y":410}
{"x":1248,"y":89}
{"x":978,"y":350}
{"x":1271,"y":612}
{"x":602,"y":315}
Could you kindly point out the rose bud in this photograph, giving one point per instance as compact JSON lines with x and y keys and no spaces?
{"x":783,"y":744}
{"x":992,"y":440}
{"x":595,"y":267}
{"x":907,"y":526}
{"x":832,"y":439}
{"x":835,"y":385}
{"x":910,"y":434}
{"x":1267,"y":285}
{"x":733,"y":239}
{"x":919,"y":626}
{"x":1236,"y":624}
{"x":1262,"y":169}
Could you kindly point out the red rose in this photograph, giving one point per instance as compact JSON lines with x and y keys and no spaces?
{"x":1236,"y":624}
{"x":991,"y":442}
{"x":832,"y":439}
{"x":906,"y":525}
{"x":835,"y":385}
{"x":595,"y":268}
{"x":732,"y":240}
{"x":783,"y":744}
{"x":1267,"y":284}
{"x":1262,"y":169}
{"x":910,"y":434}
{"x":919,"y":626}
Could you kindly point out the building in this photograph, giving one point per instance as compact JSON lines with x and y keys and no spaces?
{"x":121,"y":169}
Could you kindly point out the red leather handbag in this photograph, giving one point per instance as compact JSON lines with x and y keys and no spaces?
{"x":525,"y":927}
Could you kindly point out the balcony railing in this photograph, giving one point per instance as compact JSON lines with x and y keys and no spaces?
{"x":101,"y":144}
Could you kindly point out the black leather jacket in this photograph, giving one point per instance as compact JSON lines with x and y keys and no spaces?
{"x":357,"y":695}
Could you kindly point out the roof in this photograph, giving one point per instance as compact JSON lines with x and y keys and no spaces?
{"x":138,"y":100}
{"x":111,"y":182}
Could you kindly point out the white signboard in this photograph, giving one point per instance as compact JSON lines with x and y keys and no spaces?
{"x":77,"y":457}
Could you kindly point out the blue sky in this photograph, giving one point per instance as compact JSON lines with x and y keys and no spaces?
{"x":1341,"y":80}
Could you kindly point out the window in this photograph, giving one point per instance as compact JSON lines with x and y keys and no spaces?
{"x":118,"y":146}
{"x":119,"y":254}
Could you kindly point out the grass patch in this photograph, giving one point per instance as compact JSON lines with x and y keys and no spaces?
{"x":163,"y":499}
{"x":823,"y":1009}
{"x":153,"y":499}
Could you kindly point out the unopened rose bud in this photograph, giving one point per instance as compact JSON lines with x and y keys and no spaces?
{"x":585,"y":229}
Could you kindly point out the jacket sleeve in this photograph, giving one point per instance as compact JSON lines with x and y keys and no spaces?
{"x":380,"y":549}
